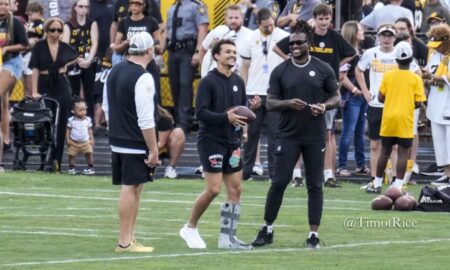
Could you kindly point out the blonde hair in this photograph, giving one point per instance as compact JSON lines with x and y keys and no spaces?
{"x":349,"y":32}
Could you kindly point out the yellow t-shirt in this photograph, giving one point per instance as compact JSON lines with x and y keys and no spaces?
{"x":401,"y":89}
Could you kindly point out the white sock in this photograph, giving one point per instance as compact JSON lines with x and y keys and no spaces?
{"x":328,"y":173}
{"x":298,"y":172}
{"x":378,"y":181}
{"x":269,"y":228}
{"x":398,"y":183}
{"x":315,"y":233}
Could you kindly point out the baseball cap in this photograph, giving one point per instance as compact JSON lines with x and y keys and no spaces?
{"x":387,"y":28}
{"x":435,"y":42}
{"x":140,"y":42}
{"x":435,"y":16}
{"x":403,"y":50}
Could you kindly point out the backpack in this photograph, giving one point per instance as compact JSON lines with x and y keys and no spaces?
{"x":434,"y":199}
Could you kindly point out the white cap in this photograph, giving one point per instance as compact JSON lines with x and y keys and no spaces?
{"x":140,"y":42}
{"x":403,"y":50}
{"x":223,"y":32}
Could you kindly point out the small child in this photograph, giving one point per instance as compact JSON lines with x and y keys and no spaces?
{"x":79,"y":137}
{"x":401,"y":91}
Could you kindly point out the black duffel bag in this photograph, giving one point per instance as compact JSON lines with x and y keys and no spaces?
{"x":434,"y":199}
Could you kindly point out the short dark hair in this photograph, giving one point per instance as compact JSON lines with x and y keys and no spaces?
{"x":404,"y":62}
{"x":408,"y":24}
{"x":322,"y":9}
{"x":76,"y":100}
{"x":218,"y":46}
{"x":35,"y":7}
{"x":401,"y":37}
{"x":262,"y":15}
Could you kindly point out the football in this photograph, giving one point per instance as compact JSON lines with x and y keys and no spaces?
{"x":382,"y":202}
{"x":393,"y":193}
{"x":404,"y":203}
{"x":244,"y":111}
{"x":414,"y":201}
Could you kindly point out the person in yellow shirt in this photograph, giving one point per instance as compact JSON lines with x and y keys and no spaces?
{"x":401,"y":91}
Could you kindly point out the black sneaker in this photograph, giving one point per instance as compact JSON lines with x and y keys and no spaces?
{"x":7,"y":148}
{"x":443,"y":181}
{"x":433,"y":170}
{"x":297,"y":182}
{"x":332,"y":183}
{"x":372,"y":189}
{"x":312,"y":242}
{"x":263,"y":238}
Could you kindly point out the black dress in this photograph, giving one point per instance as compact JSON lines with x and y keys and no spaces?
{"x":55,"y":85}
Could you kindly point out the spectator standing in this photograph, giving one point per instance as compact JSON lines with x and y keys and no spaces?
{"x":387,"y":14}
{"x":251,"y":8}
{"x":431,"y":7}
{"x":296,"y":10}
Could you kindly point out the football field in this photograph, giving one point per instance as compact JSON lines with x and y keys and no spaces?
{"x":70,"y":222}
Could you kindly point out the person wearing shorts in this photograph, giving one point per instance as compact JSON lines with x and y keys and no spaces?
{"x":128,"y":103}
{"x":401,"y":91}
{"x":219,"y":140}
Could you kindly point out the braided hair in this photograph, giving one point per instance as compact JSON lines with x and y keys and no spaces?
{"x":303,"y":27}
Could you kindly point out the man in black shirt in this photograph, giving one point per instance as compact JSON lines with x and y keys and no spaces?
{"x":219,"y":140}
{"x":302,"y":100}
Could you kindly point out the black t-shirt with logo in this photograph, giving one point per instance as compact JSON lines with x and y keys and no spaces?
{"x":121,"y":10}
{"x":37,"y":29}
{"x":19,"y":36}
{"x":313,"y":83}
{"x":330,"y":48}
{"x":80,"y":37}
{"x":129,"y":28}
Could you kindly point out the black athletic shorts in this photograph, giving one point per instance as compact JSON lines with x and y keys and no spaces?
{"x":374,"y":115}
{"x":388,"y":142}
{"x":130,"y":169}
{"x":216,"y":158}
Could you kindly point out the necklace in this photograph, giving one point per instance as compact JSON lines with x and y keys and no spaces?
{"x":299,"y":65}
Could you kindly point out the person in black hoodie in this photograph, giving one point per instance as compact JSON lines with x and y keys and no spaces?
{"x":219,"y":140}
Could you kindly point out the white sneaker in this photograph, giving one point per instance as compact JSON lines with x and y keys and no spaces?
{"x":170,"y":172}
{"x":416,"y":169}
{"x":258,"y":169}
{"x":2,"y":170}
{"x":72,"y":171}
{"x":192,"y":237}
{"x":297,"y":173}
{"x":89,"y":171}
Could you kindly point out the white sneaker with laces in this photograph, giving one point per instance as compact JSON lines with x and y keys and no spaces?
{"x":72,"y":171}
{"x":89,"y":171}
{"x":416,"y":169}
{"x":170,"y":172}
{"x":258,"y":169}
{"x":192,"y":237}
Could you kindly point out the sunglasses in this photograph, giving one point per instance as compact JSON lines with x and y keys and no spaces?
{"x":297,"y":42}
{"x":83,"y":6}
{"x":53,"y":30}
{"x":137,"y":3}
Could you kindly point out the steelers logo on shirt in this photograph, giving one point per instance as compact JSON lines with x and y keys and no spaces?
{"x":322,"y":44}
{"x":312,"y":73}
{"x":235,"y":88}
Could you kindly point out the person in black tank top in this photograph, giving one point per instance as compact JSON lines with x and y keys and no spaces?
{"x":82,"y":34}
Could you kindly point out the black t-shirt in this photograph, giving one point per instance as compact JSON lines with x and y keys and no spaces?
{"x":36,"y":29}
{"x":19,"y":36}
{"x":216,"y":93}
{"x":102,"y":12}
{"x":121,"y":10}
{"x":42,"y":59}
{"x":330,"y":48}
{"x":80,"y":37}
{"x":313,"y":84}
{"x":129,"y":28}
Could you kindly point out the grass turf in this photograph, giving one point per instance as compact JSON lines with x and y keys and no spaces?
{"x":70,"y":222}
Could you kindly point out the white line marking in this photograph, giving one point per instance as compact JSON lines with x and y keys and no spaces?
{"x":68,"y":234}
{"x":240,"y":252}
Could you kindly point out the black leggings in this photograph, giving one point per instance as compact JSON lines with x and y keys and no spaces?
{"x":287,"y":153}
{"x":87,"y":77}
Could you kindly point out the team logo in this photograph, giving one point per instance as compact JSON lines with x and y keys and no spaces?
{"x":201,"y":9}
{"x":215,"y":161}
{"x":322,"y":44}
{"x":235,"y":88}
{"x":279,"y":148}
{"x":312,"y":73}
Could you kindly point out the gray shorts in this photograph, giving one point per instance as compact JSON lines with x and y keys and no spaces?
{"x":329,"y":118}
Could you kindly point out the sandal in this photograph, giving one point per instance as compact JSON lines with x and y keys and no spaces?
{"x":343,"y":172}
{"x":363,"y":170}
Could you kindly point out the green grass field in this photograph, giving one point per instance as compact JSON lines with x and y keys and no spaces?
{"x":70,"y":222}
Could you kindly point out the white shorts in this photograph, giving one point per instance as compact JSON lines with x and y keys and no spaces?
{"x":25,"y":61}
{"x":441,"y":143}
{"x":329,"y":118}
{"x":416,"y":121}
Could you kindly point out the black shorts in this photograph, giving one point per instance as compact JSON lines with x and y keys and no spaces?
{"x":216,"y":157}
{"x":374,"y":115}
{"x":129,"y":169}
{"x":388,"y":142}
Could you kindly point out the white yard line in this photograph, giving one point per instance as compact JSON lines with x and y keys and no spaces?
{"x":68,"y":234}
{"x":218,"y":253}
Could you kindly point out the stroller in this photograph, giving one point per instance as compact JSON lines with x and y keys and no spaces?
{"x":34,"y":128}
